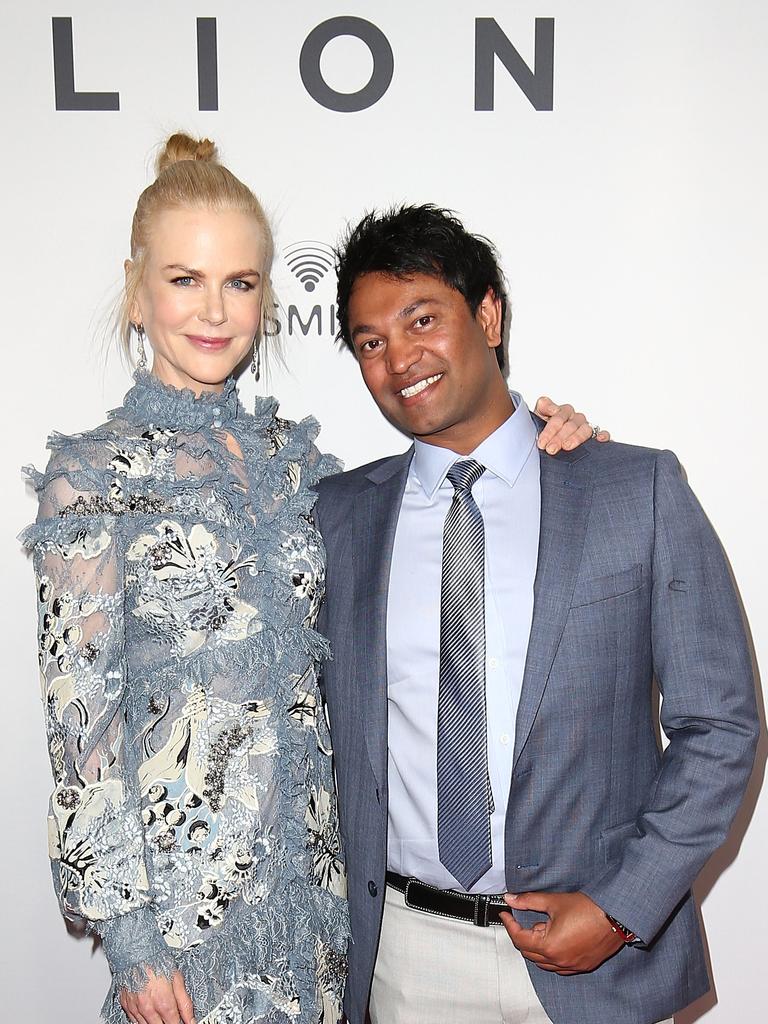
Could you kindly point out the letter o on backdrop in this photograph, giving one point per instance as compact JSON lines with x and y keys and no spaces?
{"x":312,"y":51}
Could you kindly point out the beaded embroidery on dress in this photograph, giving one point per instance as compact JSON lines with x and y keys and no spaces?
{"x":193,"y":822}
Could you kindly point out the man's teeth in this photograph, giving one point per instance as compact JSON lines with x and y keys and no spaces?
{"x":414,"y":389}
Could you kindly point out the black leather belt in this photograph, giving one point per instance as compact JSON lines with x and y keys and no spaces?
{"x":477,"y":908}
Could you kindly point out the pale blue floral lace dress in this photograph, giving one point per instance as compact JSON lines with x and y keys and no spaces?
{"x":193,"y":821}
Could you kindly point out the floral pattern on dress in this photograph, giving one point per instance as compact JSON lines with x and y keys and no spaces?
{"x":325,"y":842}
{"x":186,"y":590}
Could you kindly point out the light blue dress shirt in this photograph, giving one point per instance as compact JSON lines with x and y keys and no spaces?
{"x":509,"y":497}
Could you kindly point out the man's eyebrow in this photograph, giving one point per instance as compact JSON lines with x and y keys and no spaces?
{"x":362,"y":329}
{"x":404,"y":313}
{"x":411,"y":308}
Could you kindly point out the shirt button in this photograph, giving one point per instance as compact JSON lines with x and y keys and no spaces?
{"x":373,"y":889}
{"x":504,"y":738}
{"x":493,"y":663}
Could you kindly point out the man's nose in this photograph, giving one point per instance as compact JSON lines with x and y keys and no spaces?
{"x":403,"y":352}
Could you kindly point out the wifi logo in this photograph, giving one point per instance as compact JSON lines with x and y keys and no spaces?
{"x":309,"y":262}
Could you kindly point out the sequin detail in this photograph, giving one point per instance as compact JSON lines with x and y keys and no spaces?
{"x":221,"y":752}
{"x":134,"y":504}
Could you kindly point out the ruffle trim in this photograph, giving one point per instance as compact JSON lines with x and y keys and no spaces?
{"x":133,"y":945}
{"x":134,"y":978}
{"x":150,"y":402}
{"x":267,"y":469}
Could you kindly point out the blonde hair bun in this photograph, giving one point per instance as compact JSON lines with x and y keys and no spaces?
{"x":181,"y":146}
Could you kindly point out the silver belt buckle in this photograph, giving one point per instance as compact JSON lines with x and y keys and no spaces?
{"x":406,"y":894}
{"x":481,"y":910}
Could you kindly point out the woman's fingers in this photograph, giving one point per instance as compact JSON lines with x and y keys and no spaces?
{"x":157,"y":1003}
{"x":159,"y":1010}
{"x":562,"y":421}
{"x":130,"y":1007}
{"x":183,"y":1002}
{"x":565,"y":428}
{"x":573,"y":434}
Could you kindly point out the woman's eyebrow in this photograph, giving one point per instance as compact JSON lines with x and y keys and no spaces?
{"x":249,"y":272}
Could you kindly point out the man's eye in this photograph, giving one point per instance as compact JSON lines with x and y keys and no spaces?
{"x":425,"y":321}
{"x":370,"y":345}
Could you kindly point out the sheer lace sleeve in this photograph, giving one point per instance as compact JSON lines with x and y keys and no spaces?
{"x":96,"y":841}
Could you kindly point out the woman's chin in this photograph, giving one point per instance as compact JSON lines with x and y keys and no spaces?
{"x":207,"y":372}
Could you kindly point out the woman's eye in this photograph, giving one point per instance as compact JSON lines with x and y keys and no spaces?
{"x":241,"y":286}
{"x":425,"y":321}
{"x":183,"y":281}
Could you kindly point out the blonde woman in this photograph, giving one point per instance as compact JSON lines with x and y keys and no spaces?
{"x":193,"y":821}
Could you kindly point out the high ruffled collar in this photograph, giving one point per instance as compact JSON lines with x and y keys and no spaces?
{"x":156,"y":404}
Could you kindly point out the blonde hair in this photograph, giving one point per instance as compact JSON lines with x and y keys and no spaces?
{"x":189,"y":174}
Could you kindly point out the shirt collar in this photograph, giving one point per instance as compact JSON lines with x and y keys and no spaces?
{"x":503,"y":453}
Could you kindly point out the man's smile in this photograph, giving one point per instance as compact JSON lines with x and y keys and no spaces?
{"x":420,"y":385}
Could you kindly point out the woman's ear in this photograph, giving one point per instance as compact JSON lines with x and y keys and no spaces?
{"x":134,"y":313}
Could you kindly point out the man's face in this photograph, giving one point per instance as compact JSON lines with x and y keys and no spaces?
{"x":429,"y":364}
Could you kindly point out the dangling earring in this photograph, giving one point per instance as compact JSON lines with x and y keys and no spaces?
{"x":256,"y":360}
{"x":142,"y":360}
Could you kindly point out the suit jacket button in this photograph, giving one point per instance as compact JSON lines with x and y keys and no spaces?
{"x":373,"y":889}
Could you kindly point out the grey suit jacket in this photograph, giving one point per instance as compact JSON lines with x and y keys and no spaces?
{"x":631,"y":584}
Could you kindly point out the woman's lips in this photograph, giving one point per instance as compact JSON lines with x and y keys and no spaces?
{"x":209,"y":344}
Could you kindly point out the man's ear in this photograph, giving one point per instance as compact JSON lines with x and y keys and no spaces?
{"x":489,"y":318}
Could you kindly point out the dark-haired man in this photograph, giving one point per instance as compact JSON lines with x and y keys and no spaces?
{"x":496,"y":619}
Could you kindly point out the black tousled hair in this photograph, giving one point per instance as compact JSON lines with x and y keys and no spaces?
{"x":407,"y":240}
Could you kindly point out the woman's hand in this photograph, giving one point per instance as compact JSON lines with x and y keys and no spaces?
{"x":159,"y":1002}
{"x":565,"y":427}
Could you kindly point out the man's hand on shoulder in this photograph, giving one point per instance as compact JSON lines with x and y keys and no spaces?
{"x":577,"y":938}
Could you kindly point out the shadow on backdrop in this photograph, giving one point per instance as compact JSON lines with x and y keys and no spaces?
{"x":722,"y":859}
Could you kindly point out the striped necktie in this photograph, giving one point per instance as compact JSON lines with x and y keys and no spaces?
{"x":463,"y":798}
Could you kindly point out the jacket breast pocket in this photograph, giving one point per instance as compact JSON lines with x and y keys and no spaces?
{"x":603,"y":588}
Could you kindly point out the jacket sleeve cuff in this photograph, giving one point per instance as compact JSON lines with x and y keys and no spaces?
{"x":630,"y":900}
{"x":626,"y":916}
{"x":133,"y":946}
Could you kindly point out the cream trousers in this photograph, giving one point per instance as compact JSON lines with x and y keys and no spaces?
{"x":433,"y":970}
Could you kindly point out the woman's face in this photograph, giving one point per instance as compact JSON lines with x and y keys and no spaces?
{"x":200,"y":295}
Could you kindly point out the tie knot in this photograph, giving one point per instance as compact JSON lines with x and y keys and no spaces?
{"x":463,"y":475}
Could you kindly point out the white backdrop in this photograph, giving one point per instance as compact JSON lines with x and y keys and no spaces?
{"x":631,"y":220}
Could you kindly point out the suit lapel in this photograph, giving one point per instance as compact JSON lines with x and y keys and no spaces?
{"x":566,"y":495}
{"x":376,"y":512}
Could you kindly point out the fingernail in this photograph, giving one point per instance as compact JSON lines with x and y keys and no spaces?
{"x":551,"y":449}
